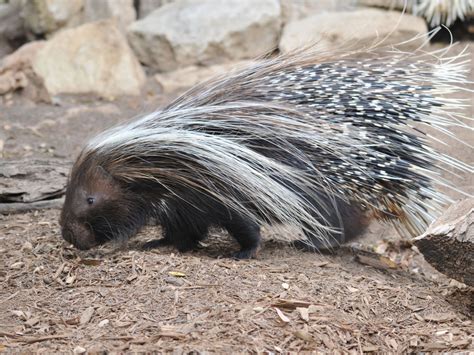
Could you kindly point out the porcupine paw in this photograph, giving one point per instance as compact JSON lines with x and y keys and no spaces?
{"x":156,"y":243}
{"x":242,"y":254}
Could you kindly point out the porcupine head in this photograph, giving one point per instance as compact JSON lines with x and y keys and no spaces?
{"x":98,"y":207}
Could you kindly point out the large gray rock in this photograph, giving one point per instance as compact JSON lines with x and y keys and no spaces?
{"x":297,"y":9}
{"x":47,"y":16}
{"x":11,"y":26}
{"x":92,"y":58}
{"x":122,"y":10}
{"x":184,"y":78}
{"x":147,"y":6}
{"x":16,"y":73}
{"x":190,"y":32}
{"x":364,"y":27}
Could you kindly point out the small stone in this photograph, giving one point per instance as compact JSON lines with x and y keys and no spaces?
{"x":103,"y":323}
{"x":79,"y":350}
{"x":27,"y":246}
{"x":70,"y":279}
{"x":18,"y":265}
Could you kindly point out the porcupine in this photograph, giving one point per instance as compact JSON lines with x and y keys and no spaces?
{"x":324,"y":143}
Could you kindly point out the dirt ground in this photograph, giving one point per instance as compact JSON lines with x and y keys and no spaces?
{"x":118,"y":298}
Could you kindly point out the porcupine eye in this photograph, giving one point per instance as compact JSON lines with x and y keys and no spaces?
{"x":90,"y":200}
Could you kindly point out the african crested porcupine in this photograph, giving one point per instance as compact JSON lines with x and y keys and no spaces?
{"x":323,"y":143}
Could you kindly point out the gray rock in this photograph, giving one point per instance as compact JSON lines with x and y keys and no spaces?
{"x":297,"y":9}
{"x":122,"y":10}
{"x":147,"y":6}
{"x":184,"y":78}
{"x":11,"y":26}
{"x":388,"y":4}
{"x":16,"y":73}
{"x":92,"y":58}
{"x":189,"y":32}
{"x":47,"y":16}
{"x":364,"y":27}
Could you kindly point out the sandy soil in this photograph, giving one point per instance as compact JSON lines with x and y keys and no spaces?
{"x":118,"y":298}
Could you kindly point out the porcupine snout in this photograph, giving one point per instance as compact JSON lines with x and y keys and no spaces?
{"x":78,"y":234}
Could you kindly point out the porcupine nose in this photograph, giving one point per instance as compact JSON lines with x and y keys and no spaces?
{"x":79,"y":236}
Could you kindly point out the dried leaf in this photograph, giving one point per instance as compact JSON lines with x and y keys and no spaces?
{"x":377,"y":261}
{"x":90,"y":262}
{"x":177,"y":274}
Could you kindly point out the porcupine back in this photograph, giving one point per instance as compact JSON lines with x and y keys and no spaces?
{"x":335,"y":124}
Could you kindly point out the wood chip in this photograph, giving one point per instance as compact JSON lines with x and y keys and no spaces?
{"x":439,"y":317}
{"x":376,"y":261}
{"x":70,"y":279}
{"x":303,"y":334}
{"x":282,"y":316}
{"x":370,"y":348}
{"x":304,"y":313}
{"x":19,"y":314}
{"x":90,"y":262}
{"x":291,"y":304}
{"x":86,"y":316}
{"x":32,"y":321}
{"x":18,"y":265}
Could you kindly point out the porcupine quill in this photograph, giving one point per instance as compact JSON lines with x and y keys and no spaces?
{"x":311,"y":140}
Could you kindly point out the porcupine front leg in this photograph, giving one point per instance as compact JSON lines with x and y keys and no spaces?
{"x":247,"y":234}
{"x":183,"y":239}
{"x":182,"y":229}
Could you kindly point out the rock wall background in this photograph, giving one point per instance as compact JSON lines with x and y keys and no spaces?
{"x":105,"y":47}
